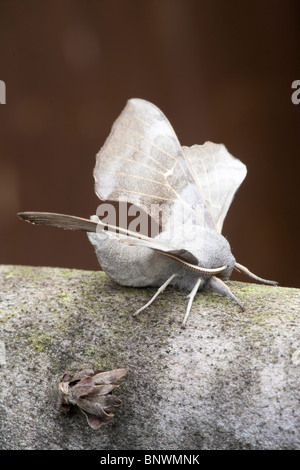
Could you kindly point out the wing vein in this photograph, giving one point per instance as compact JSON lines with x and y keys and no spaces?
{"x":147,"y":154}
{"x":155,"y":146}
{"x":138,"y":163}
{"x":138,"y":177}
{"x":143,"y":194}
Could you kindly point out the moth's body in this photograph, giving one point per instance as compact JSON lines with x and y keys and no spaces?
{"x":126,"y":263}
{"x":189,"y":188}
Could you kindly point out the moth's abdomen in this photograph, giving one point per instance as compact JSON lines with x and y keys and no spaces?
{"x":128,"y":265}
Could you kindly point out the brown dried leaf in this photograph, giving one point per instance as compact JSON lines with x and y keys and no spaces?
{"x":95,"y":421}
{"x":91,"y":390}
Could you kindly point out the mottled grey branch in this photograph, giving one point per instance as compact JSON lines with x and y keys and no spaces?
{"x":230,"y":380}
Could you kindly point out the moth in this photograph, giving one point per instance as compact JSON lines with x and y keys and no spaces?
{"x":185,"y":191}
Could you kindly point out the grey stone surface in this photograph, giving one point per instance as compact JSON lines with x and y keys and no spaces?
{"x":230,"y":380}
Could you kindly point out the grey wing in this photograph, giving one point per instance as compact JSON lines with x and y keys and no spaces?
{"x":143,"y":163}
{"x":220,"y":175}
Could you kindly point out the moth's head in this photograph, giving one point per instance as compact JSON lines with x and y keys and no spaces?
{"x":213,"y":251}
{"x":207,"y":246}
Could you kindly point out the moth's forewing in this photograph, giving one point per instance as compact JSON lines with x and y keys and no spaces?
{"x":143,"y":163}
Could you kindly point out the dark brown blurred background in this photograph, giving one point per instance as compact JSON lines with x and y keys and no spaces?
{"x":220,"y":71}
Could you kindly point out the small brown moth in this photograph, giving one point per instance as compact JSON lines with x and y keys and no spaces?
{"x":186,"y":191}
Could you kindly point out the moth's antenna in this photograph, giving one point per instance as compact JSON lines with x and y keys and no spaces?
{"x":219,"y":286}
{"x":161,"y":289}
{"x":191,"y":298}
{"x":192,"y":267}
{"x":246,"y":271}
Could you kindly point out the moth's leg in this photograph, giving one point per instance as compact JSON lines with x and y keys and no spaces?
{"x":220,"y":287}
{"x":246,"y":271}
{"x":161,"y":289}
{"x":191,"y":298}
